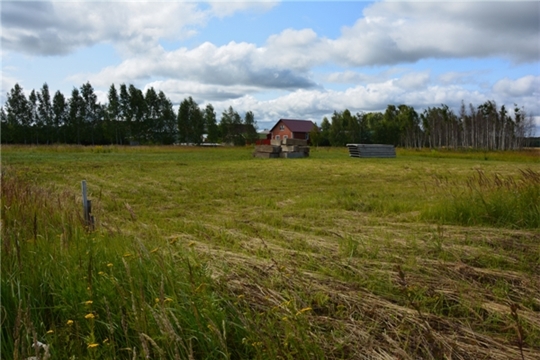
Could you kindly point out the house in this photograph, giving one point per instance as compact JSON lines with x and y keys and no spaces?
{"x":291,"y":129}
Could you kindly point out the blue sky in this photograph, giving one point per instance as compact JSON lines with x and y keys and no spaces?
{"x":281,"y":59}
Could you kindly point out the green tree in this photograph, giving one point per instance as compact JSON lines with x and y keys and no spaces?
{"x":211,"y":124}
{"x":325,"y":132}
{"x":315,"y":135}
{"x":338,"y":136}
{"x":126,"y":115}
{"x":35,"y":120}
{"x":59,"y":113}
{"x":18,"y":116}
{"x":190,"y":122}
{"x":90,"y":112}
{"x":76,"y":117}
{"x":114,"y":130}
{"x":45,"y":112}
{"x":153,"y":120}
{"x":138,"y":111}
{"x":168,"y":132}
{"x":251,"y":127}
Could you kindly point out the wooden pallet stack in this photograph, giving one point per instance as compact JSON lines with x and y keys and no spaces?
{"x":371,"y":151}
{"x":285,"y":148}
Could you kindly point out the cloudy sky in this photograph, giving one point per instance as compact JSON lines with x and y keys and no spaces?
{"x":281,"y":59}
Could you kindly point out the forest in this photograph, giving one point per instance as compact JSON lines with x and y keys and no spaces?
{"x":132,"y":116}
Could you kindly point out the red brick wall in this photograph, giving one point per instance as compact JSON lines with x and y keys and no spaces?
{"x":282,"y":133}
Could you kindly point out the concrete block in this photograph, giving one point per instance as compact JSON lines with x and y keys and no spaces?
{"x":301,"y":142}
{"x":289,"y":148}
{"x":292,"y":155}
{"x":264,"y":155}
{"x":268,"y":149}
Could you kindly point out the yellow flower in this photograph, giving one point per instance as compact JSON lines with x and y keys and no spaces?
{"x":50,"y":331}
{"x":110,"y":265}
{"x":168,"y":299}
{"x":101,"y":273}
{"x":69,"y":322}
{"x":89,"y":302}
{"x":93,"y":345}
{"x":89,"y":316}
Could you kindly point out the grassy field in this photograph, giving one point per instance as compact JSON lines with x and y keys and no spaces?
{"x":211,"y":254}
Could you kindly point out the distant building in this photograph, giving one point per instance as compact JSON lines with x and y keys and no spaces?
{"x":291,"y":129}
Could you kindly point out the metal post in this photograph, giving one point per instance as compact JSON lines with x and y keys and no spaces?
{"x":85,"y":201}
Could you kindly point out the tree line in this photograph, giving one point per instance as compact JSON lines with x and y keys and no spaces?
{"x":483,"y":127}
{"x":129,"y":117}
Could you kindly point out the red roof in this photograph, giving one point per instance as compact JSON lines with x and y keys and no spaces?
{"x":296,"y":125}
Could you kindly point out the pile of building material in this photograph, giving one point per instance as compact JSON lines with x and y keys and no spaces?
{"x":371,"y":151}
{"x":286,"y":148}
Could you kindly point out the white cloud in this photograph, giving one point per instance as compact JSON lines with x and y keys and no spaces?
{"x":59,"y":28}
{"x":415,"y":80}
{"x":526,"y":86}
{"x":394,"y":32}
{"x":229,"y":65}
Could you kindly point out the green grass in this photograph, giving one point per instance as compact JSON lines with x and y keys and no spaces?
{"x":210,"y":253}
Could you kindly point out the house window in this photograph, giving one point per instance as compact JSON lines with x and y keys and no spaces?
{"x":285,"y":137}
{"x":277,"y":137}
{"x":281,"y":127}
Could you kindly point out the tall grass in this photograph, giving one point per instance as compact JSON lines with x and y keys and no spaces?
{"x":96,"y":295}
{"x":490,"y":200}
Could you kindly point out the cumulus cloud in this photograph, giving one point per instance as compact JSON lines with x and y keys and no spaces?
{"x":525,"y":86}
{"x":314,"y":104}
{"x":395,"y":32}
{"x":59,"y":28}
{"x":228,"y":65}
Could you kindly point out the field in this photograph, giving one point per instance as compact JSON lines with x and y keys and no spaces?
{"x":203,"y":253}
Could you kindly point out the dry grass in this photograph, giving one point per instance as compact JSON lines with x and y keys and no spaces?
{"x":331,"y":267}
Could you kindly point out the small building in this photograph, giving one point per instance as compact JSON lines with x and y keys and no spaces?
{"x":291,"y":129}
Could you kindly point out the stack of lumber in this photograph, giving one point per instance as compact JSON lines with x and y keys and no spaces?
{"x":286,"y":148}
{"x":371,"y":151}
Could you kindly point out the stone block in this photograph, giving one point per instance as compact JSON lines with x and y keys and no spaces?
{"x":268,"y":149}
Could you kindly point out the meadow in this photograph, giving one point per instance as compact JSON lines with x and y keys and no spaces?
{"x":209,"y":253}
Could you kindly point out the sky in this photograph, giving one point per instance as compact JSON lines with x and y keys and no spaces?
{"x":283,"y":59}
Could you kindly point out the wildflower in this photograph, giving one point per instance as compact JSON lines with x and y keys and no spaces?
{"x":101,"y":273}
{"x":89,"y":302}
{"x":93,"y":345}
{"x":50,"y":331}
{"x":89,"y":316}
{"x":110,"y":265}
{"x":69,"y":322}
{"x":168,"y":299}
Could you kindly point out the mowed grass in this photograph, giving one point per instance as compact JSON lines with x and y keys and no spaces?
{"x":210,"y":253}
